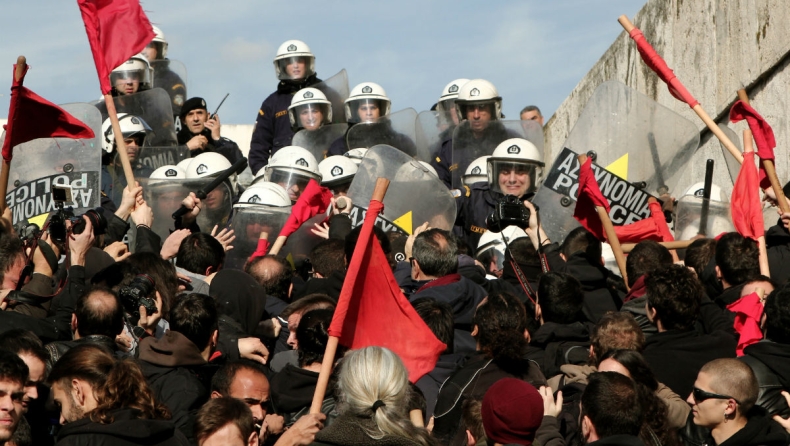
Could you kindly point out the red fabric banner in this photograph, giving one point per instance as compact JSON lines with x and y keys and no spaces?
{"x":761,"y":131}
{"x":657,"y":64}
{"x":313,"y":201}
{"x":261,"y":249}
{"x":590,"y":196}
{"x":372,"y":310}
{"x":31,"y":117}
{"x":748,"y":312}
{"x":746,"y":208}
{"x":652,"y":228}
{"x":117,"y":30}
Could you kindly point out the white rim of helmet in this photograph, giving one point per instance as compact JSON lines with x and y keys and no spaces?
{"x":141,"y":64}
{"x":293,"y":48}
{"x":337,"y":169}
{"x":309,"y":96}
{"x":206,"y":164}
{"x":168,"y":172}
{"x":128,"y":128}
{"x":478,"y":91}
{"x":277,"y":196}
{"x":450,"y":91}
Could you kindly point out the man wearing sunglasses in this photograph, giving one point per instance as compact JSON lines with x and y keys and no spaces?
{"x":722,"y":400}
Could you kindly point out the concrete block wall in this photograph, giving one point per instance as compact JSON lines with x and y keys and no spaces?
{"x":715,"y":48}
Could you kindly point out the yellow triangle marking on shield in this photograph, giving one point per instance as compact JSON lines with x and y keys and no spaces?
{"x":404,"y":222}
{"x":619,"y":167}
{"x":290,"y":259}
{"x":38,"y":219}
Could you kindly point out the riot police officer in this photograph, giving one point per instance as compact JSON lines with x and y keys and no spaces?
{"x":294,"y":66}
{"x":134,"y":130}
{"x":292,"y":168}
{"x":201,"y":133}
{"x":164,"y":76}
{"x":479,"y":104}
{"x":515,"y":168}
{"x":132,"y":76}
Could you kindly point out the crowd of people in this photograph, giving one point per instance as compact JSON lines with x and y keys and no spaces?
{"x":140,"y":329}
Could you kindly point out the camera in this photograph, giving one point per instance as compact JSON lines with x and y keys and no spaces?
{"x":509,"y":211}
{"x":135,"y":295}
{"x":96,"y":218}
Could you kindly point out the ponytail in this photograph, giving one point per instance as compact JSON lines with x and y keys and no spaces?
{"x":126,"y":387}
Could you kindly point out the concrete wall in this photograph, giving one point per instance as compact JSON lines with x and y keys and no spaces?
{"x":715,"y":48}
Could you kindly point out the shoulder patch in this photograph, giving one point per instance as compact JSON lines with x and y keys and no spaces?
{"x":453,"y":167}
{"x":260,"y":112}
{"x":438,"y":160}
{"x":281,"y":113}
{"x":177,"y":86}
{"x":468,"y":191}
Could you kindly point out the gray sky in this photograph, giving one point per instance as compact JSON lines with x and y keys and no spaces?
{"x":535,"y":52}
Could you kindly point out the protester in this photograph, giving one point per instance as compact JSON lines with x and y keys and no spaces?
{"x":13,"y":376}
{"x":610,"y":411}
{"x":373,"y":388}
{"x":646,"y":257}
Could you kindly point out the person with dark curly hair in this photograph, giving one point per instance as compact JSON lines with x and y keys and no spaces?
{"x":499,"y":327}
{"x":657,"y":429}
{"x":105,"y":401}
{"x":680,"y":349}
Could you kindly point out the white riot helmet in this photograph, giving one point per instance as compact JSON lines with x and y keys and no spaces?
{"x":366,"y":93}
{"x":168,"y":173}
{"x":698,"y":190}
{"x":478,"y":92}
{"x":293,"y":51}
{"x":491,"y":246}
{"x":446,"y":101}
{"x":183,"y":164}
{"x":512,"y":158}
{"x":207,"y":164}
{"x":356,"y":155}
{"x":476,"y":172}
{"x":305,"y":106}
{"x":428,"y":168}
{"x":291,"y":167}
{"x":337,"y":170}
{"x":266,"y":194}
{"x":135,"y":69}
{"x":131,"y":127}
{"x":159,"y":44}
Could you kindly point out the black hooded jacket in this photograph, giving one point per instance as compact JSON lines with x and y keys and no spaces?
{"x":770,"y":362}
{"x":292,"y":392}
{"x":125,"y":430}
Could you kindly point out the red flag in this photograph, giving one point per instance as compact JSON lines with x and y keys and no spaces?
{"x":373,"y":311}
{"x":746,"y":208}
{"x":30,"y":117}
{"x":117,"y":30}
{"x":589,"y":197}
{"x":651,"y":228}
{"x":657,"y":64}
{"x":762,"y":132}
{"x":313,"y":201}
{"x":261,"y":249}
{"x":748,"y":312}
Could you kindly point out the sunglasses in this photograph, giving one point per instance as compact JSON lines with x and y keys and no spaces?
{"x":701,"y":395}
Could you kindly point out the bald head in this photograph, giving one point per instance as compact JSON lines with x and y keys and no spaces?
{"x":273,"y":273}
{"x":729,"y":376}
{"x":98,"y":312}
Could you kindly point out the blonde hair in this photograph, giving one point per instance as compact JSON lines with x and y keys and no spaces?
{"x":374,"y":374}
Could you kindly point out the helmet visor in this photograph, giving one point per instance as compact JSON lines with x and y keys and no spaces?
{"x":295,"y":67}
{"x":486,"y":110}
{"x":292,"y":180}
{"x":447,"y":112}
{"x":513,"y":177}
{"x":310,"y":116}
{"x":366,"y":110}
{"x":492,"y":258}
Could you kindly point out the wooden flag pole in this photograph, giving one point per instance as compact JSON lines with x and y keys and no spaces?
{"x":770,"y":169}
{"x":628,"y":26}
{"x":121,"y":146}
{"x":611,"y":236}
{"x":21,"y":64}
{"x":278,"y":244}
{"x":748,"y":146}
{"x":331,"y":346}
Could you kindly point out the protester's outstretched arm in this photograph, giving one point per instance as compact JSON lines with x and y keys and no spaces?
{"x":79,"y":245}
{"x":303,"y":431}
{"x":548,"y":434}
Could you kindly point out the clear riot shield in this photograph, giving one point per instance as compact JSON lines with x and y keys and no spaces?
{"x":396,"y":130}
{"x":469,"y":144}
{"x":171,"y":76}
{"x":154,"y":107}
{"x":318,"y":141}
{"x":302,"y":242}
{"x":248,"y":222}
{"x":636,"y":139}
{"x":688,"y":218}
{"x":432,"y":129}
{"x":336,"y":91}
{"x":733,"y":166}
{"x":42,"y":163}
{"x":147,"y":160}
{"x":414,"y":195}
{"x":165,"y":196}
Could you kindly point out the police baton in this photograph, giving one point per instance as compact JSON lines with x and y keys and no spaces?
{"x":237,"y":167}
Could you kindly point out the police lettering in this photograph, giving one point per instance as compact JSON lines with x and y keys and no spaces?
{"x":35,"y":198}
